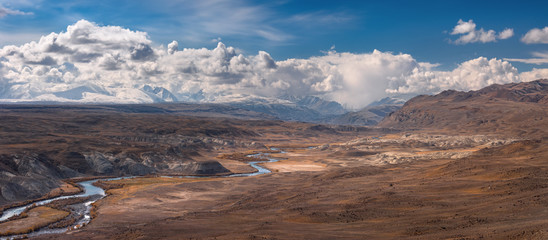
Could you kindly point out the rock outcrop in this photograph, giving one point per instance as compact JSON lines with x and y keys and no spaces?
{"x":42,"y":145}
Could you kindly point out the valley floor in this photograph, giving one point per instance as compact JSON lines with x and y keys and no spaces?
{"x":471,"y":188}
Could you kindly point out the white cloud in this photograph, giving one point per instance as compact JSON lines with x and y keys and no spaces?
{"x":6,"y":11}
{"x":203,"y":20}
{"x":258,"y":22}
{"x":536,"y":35}
{"x":464,"y":27}
{"x":538,"y":61}
{"x":470,"y":75}
{"x":541,"y":54}
{"x":173,"y":47}
{"x":20,"y":3}
{"x":534,"y":74}
{"x":540,"y":58}
{"x":469,"y":34}
{"x":507,"y":33}
{"x":92,"y":63}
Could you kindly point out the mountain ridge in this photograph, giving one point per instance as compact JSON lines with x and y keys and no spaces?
{"x":516,"y":108}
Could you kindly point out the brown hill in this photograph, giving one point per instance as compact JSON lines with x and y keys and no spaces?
{"x":42,"y":144}
{"x":512,"y":109}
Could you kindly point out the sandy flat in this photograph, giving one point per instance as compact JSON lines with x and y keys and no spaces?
{"x":294,"y":166}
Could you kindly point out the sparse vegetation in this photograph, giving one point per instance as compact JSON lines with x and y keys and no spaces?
{"x":107,"y":185}
{"x":49,"y":195}
{"x":62,"y":204}
{"x":444,"y":181}
{"x":244,"y":156}
{"x":38,"y":217}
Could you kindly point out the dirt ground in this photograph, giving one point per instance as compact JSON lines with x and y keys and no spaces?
{"x":497,"y":192}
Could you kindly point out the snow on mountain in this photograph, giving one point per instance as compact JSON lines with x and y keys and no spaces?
{"x":79,"y":93}
{"x":90,"y":62}
{"x":292,"y":108}
{"x":159,"y":94}
{"x":322,"y":106}
{"x":387,"y":101}
{"x":370,"y":115}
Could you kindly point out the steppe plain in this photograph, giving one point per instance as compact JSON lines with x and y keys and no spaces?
{"x":433,"y":181}
{"x":498,"y":192}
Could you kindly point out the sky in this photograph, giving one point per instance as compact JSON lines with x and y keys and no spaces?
{"x":353,"y":52}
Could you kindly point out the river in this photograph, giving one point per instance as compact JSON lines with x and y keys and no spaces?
{"x":97,"y":193}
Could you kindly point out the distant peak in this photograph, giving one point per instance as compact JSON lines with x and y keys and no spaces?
{"x":387,"y":101}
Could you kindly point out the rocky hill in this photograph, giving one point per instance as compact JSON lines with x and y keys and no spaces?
{"x":518,"y":108}
{"x":43,"y":144}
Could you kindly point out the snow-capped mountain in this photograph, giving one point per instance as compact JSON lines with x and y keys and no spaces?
{"x":370,"y":115}
{"x":322,"y":106}
{"x":159,"y":94}
{"x":79,"y":93}
{"x":387,"y":101}
{"x":292,"y":108}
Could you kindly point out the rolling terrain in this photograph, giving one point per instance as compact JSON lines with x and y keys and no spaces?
{"x":42,"y":145}
{"x":499,"y":193}
{"x":519,"y":109}
{"x":457,"y":165}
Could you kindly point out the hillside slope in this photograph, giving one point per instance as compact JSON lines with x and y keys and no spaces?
{"x":518,"y":109}
{"x":43,"y":144}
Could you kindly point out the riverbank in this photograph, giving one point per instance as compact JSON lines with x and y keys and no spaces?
{"x":494,"y":193}
{"x":37,"y":217}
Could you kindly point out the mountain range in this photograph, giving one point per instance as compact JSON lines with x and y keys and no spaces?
{"x":494,"y":107}
{"x":288,"y":108}
{"x":65,"y":141}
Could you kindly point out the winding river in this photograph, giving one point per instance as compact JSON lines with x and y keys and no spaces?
{"x":97,"y":193}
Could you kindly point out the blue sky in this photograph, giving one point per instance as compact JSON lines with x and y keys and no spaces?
{"x":352,"y":52}
{"x":297,"y":29}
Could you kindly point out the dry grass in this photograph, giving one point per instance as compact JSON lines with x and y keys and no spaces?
{"x":140,"y":181}
{"x":244,"y":156}
{"x":295,"y":145}
{"x":37,"y":218}
{"x":430,"y":199}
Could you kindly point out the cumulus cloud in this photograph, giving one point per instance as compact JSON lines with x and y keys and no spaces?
{"x":507,"y":33}
{"x":92,"y":63}
{"x":536,"y":35}
{"x":469,"y":34}
{"x":464,"y":27}
{"x":534,"y":74}
{"x":173,"y":47}
{"x":470,"y":75}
